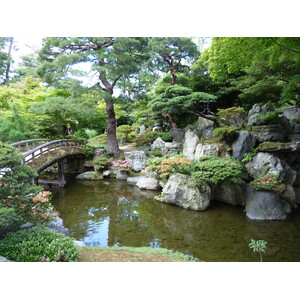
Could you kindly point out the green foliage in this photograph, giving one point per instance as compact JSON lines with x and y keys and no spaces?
{"x":269,"y":182}
{"x":258,"y":246}
{"x":226,"y":133}
{"x":229,"y":115}
{"x":178,"y":101}
{"x":168,"y":165}
{"x":249,"y":155}
{"x":100,"y":163}
{"x":17,"y":191}
{"x":270,"y":117}
{"x":150,"y":136}
{"x":9,"y":220}
{"x":212,"y":169}
{"x":157,"y":152}
{"x":38,"y":244}
{"x":127,"y":132}
{"x":89,"y":151}
{"x":257,"y":69}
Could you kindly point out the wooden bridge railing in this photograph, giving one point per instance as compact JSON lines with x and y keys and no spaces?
{"x":24,"y":145}
{"x":48,"y":147}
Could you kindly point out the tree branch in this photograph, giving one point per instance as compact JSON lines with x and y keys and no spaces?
{"x":283,"y":46}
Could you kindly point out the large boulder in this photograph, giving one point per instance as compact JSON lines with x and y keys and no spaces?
{"x":289,"y":196}
{"x":265,"y":163}
{"x":204,"y":125}
{"x":158,"y":143}
{"x":265,"y":205}
{"x":232,"y":193}
{"x":292,"y":113}
{"x":270,"y":133}
{"x":90,"y":175}
{"x":181,"y":190}
{"x":137,"y":159}
{"x":190,"y":143}
{"x":255,"y":113}
{"x":148,"y":184}
{"x":212,"y":149}
{"x":177,"y":134}
{"x":244,"y":143}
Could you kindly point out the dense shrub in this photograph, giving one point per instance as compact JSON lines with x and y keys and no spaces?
{"x":38,"y":244}
{"x":17,"y":191}
{"x":9,"y":220}
{"x":168,"y":165}
{"x":230,"y":116}
{"x":150,"y":136}
{"x":226,"y":133}
{"x":127,"y":132}
{"x":269,"y":182}
{"x":100,"y":163}
{"x":122,"y":165}
{"x":212,"y":169}
{"x":270,"y":117}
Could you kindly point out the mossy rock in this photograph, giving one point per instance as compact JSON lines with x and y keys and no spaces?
{"x":91,"y":175}
{"x":277,"y":147}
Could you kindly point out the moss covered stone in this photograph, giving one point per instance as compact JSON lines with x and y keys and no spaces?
{"x":277,"y":146}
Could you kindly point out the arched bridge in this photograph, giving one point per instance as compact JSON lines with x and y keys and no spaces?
{"x":42,"y":153}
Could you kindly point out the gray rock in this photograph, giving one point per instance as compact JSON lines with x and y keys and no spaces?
{"x":158,"y":143}
{"x":292,"y":112}
{"x":134,"y":180}
{"x":297,"y":192}
{"x":294,"y":137}
{"x":90,"y":175}
{"x":270,"y":133}
{"x":190,"y":143}
{"x":244,"y":143}
{"x":137,"y":160}
{"x":289,"y":196}
{"x":107,"y":173}
{"x":3,"y":259}
{"x":122,"y":175}
{"x":265,"y":205}
{"x":177,"y":134}
{"x":148,"y":184}
{"x":296,"y":128}
{"x":255,"y":112}
{"x":58,"y":225}
{"x":142,"y":129}
{"x":100,"y":152}
{"x":181,"y":190}
{"x":265,"y":163}
{"x":27,"y":225}
{"x":232,"y":193}
{"x":212,"y":149}
{"x":203,"y":124}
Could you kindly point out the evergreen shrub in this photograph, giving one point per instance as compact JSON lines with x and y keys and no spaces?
{"x":38,"y":244}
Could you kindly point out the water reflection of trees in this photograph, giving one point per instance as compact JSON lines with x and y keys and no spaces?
{"x":221,"y":233}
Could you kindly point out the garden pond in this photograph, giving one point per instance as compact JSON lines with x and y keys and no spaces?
{"x":114,"y":213}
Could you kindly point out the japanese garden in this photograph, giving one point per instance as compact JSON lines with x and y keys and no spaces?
{"x":150,"y":149}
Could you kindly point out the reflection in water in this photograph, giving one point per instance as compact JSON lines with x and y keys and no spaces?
{"x":114,"y":213}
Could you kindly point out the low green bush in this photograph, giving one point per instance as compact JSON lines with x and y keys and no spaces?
{"x":249,"y":155}
{"x":226,"y":133}
{"x":270,"y":117}
{"x":212,"y":169}
{"x":38,"y":244}
{"x":150,"y":136}
{"x":168,"y":165}
{"x":269,"y":182}
{"x":100,"y":163}
{"x":9,"y":220}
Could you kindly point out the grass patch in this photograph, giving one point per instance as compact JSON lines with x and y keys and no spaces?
{"x":131,"y":254}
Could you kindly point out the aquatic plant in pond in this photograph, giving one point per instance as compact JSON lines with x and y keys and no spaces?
{"x":258,"y":246}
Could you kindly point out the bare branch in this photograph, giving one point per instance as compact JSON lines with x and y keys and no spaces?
{"x":283,"y":46}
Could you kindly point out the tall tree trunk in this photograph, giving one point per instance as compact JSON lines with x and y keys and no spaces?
{"x":11,"y":42}
{"x":173,"y":74}
{"x":112,"y":141}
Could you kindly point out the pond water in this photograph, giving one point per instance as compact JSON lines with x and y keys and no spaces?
{"x":114,"y":213}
